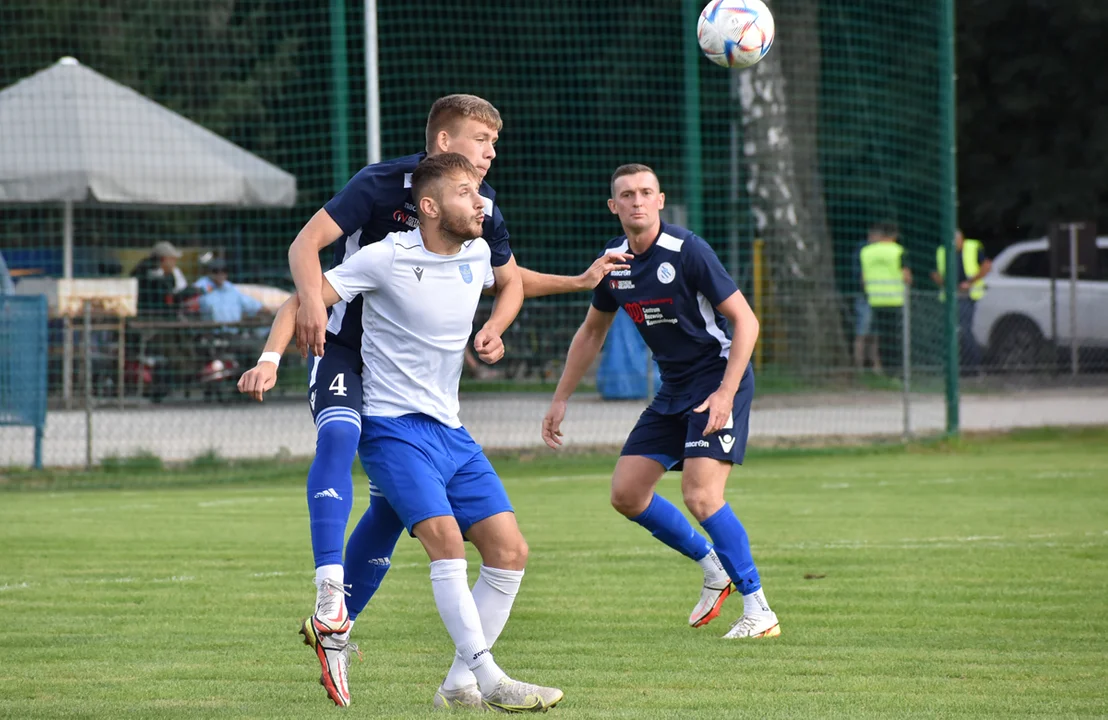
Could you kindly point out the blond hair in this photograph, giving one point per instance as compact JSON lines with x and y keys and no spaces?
{"x":450,"y":109}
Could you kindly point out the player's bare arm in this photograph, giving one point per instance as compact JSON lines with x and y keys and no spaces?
{"x":586,"y":345}
{"x":261,"y":378}
{"x":744,"y":329}
{"x":509,"y":299}
{"x":536,"y":284}
{"x":311,"y":319}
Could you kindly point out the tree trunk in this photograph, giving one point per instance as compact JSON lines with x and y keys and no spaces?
{"x":780,"y":147}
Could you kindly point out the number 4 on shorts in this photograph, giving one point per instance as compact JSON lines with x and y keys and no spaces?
{"x":338,"y":385}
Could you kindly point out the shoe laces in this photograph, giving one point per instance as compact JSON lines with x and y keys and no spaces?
{"x":352,"y":649}
{"x":746,"y":622}
{"x":336,"y":591}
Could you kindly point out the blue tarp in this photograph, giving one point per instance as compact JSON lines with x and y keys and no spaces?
{"x":622,"y":371}
{"x":23,"y":364}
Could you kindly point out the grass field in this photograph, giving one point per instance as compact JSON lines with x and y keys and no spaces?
{"x":936,"y":581}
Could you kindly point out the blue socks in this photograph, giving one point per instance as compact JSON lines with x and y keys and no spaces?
{"x":733,"y":548}
{"x":368,"y":552}
{"x":330,"y":485}
{"x":668,"y":524}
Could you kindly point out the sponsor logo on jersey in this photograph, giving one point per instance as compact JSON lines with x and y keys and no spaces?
{"x":666,"y":273}
{"x":620,"y":273}
{"x":649,"y":312}
{"x":404,"y":218}
{"x":621,"y":285}
{"x":418,"y":273}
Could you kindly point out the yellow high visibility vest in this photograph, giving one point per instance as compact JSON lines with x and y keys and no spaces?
{"x":970,"y":266}
{"x":882,"y":275}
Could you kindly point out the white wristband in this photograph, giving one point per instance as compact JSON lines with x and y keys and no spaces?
{"x":273,"y":357}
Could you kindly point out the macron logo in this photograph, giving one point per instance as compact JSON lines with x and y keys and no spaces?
{"x":328,"y":493}
{"x":418,"y":273}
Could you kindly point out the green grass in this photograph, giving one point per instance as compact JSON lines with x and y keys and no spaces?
{"x":949,"y":579}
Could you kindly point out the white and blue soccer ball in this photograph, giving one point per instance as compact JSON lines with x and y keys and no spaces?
{"x":735,"y":33}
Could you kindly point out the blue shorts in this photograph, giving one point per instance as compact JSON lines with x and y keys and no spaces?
{"x":426,"y":469}
{"x":863,"y":317}
{"x":335,"y":386}
{"x":669,"y":438}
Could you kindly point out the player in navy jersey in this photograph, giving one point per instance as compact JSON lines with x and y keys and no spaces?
{"x":682,"y":302}
{"x":377,"y":201}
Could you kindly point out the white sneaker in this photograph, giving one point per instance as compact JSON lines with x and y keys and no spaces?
{"x":711,"y":600}
{"x":330,"y":609}
{"x":513,"y":696}
{"x":755,"y":626}
{"x":468,"y":697}
{"x":333,"y":651}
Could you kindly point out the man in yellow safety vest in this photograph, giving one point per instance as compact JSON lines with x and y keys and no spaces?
{"x":972,"y":269}
{"x":886,"y":280}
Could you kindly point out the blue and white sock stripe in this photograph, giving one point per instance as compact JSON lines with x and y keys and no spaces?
{"x":338,"y":414}
{"x":374,"y":491}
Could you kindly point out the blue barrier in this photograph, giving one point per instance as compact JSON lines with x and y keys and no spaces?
{"x":621,"y":374}
{"x":23,"y":364}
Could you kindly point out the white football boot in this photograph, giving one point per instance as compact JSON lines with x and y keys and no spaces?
{"x":762,"y":625}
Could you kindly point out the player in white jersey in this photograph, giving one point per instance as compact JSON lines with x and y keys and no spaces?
{"x":420,"y":291}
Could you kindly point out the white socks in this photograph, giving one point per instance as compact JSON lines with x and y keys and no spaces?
{"x":714,"y":574}
{"x":494,"y":593}
{"x":459,"y":613}
{"x":329,"y":572}
{"x":755,"y":603}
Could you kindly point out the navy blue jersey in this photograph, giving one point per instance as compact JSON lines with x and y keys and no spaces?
{"x":671,"y":292}
{"x":378,"y":201}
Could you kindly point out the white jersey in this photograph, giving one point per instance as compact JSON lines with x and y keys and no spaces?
{"x":416,"y":321}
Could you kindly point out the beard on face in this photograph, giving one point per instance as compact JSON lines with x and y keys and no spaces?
{"x":460,"y":227}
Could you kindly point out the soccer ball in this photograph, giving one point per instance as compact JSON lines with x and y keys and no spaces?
{"x":735,"y":33}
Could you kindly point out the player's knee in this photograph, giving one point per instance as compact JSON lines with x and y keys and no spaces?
{"x":702,"y":502}
{"x":510,"y":555}
{"x":337,"y":438}
{"x":628,"y":501}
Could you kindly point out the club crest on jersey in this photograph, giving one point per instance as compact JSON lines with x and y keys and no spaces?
{"x":467,"y":274}
{"x":666,"y":273}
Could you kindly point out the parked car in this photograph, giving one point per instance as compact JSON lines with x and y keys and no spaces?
{"x":1012,"y":322}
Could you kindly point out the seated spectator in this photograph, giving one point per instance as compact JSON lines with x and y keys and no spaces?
{"x":158,"y":280}
{"x":224,"y":302}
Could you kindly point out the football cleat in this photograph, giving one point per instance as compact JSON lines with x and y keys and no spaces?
{"x":755,"y":626}
{"x":513,"y":696}
{"x":330,"y":609}
{"x":711,"y":600}
{"x":333,"y":651}
{"x":468,"y":697}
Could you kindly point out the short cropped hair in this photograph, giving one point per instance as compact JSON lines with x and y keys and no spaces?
{"x":434,"y":168}
{"x":884,"y":228}
{"x":630,"y":169}
{"x":450,"y":109}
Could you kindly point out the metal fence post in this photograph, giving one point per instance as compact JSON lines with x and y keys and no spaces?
{"x":87,"y":345}
{"x":906,"y":361}
{"x":949,"y":207}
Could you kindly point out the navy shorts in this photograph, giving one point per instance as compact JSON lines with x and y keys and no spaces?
{"x":426,"y":469}
{"x":669,"y":438}
{"x":335,"y":386}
